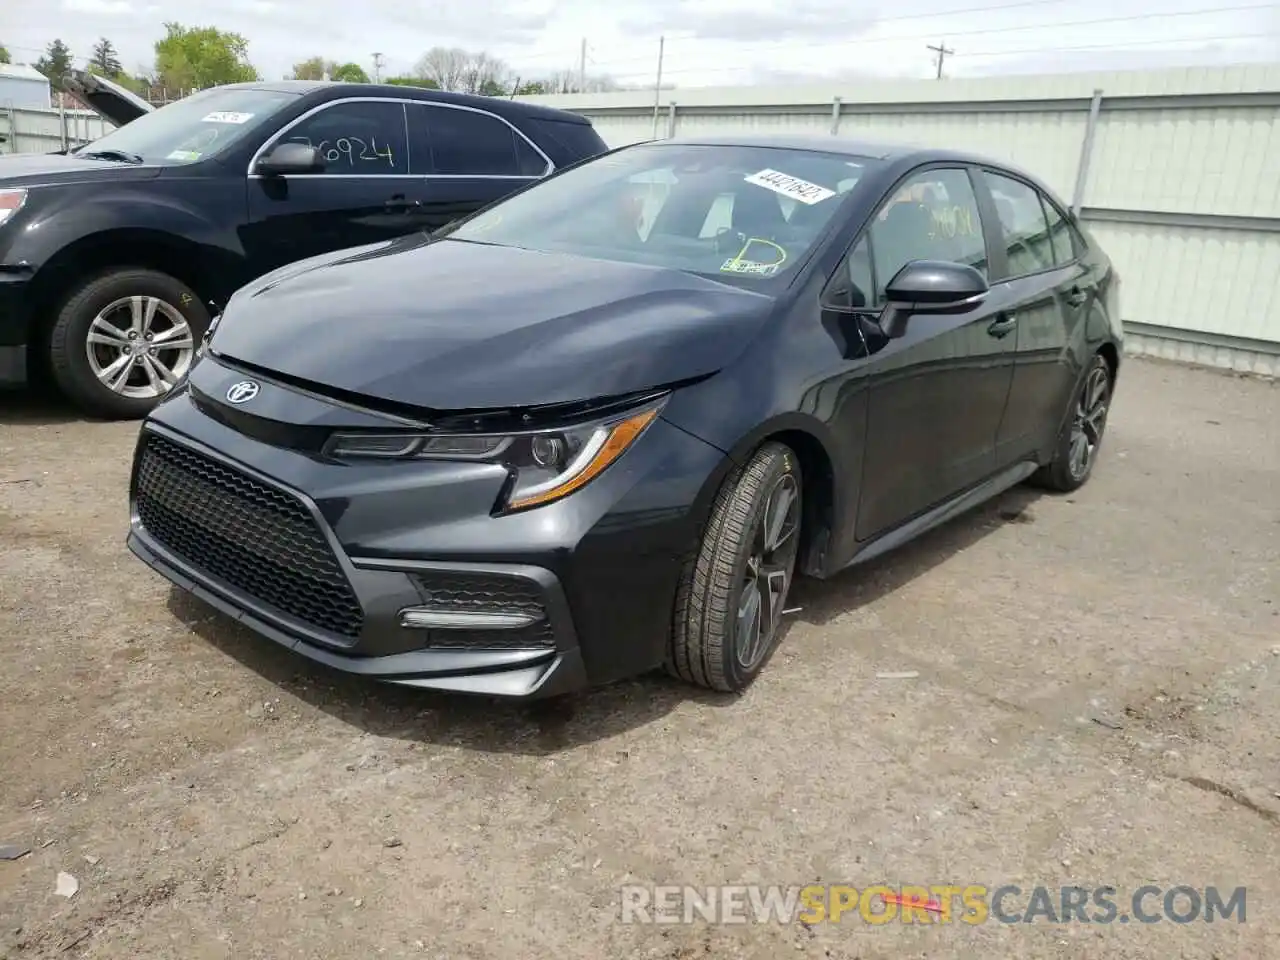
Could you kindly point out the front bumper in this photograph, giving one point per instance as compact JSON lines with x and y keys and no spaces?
{"x":598,"y":570}
{"x":14,"y":326}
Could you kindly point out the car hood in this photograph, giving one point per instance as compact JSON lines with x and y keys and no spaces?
{"x":34,"y":169}
{"x":451,"y":325}
{"x":108,"y":99}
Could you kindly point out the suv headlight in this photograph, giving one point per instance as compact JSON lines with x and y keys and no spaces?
{"x":545,"y":465}
{"x":11,"y":202}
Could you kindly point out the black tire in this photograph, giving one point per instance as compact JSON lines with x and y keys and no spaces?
{"x":704,"y":647}
{"x":68,"y":337}
{"x":1065,"y":473}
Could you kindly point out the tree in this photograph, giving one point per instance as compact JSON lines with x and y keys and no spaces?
{"x":349,"y":73}
{"x":198,"y":57}
{"x":531,"y":89}
{"x":313,"y":68}
{"x":4,"y":55}
{"x":462,"y":71}
{"x":569,"y":81}
{"x":105,"y":60}
{"x":56,"y":63}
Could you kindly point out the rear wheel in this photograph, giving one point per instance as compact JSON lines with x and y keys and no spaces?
{"x":124,"y":339}
{"x":729,"y":605}
{"x":1081,"y":436}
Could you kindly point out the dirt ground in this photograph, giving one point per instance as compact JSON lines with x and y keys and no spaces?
{"x":1097,"y":701}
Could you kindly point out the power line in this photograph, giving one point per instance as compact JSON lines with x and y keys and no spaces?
{"x":905,"y":38}
{"x":942,"y":50}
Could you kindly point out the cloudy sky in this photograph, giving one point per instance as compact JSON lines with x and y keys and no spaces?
{"x":708,"y":42}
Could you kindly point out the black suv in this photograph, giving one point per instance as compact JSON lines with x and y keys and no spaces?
{"x":114,"y":256}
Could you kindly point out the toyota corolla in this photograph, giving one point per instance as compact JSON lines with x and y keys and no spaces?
{"x":600,"y":426}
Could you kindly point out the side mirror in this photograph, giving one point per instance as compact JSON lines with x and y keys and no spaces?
{"x":930,"y":286}
{"x":286,"y":158}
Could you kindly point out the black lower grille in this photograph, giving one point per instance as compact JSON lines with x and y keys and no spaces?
{"x":251,"y":536}
{"x":451,"y":590}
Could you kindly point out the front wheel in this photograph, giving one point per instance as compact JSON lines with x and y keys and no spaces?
{"x":124,"y":339}
{"x":729,"y":605}
{"x":1081,"y":436}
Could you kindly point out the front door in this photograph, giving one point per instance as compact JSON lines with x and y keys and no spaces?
{"x":365,"y":193}
{"x":938,"y":392}
{"x":469,"y":159}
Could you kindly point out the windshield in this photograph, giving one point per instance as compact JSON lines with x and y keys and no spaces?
{"x":724,"y":211}
{"x":193,"y":128}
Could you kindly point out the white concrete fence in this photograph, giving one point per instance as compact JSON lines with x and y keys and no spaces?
{"x":1176,"y":172}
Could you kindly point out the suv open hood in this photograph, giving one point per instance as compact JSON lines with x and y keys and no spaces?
{"x":108,"y":99}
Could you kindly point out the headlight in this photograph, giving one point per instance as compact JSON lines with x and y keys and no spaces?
{"x":545,"y":465}
{"x":11,"y":202}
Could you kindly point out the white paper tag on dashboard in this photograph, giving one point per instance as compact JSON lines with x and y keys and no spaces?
{"x":789,"y":186}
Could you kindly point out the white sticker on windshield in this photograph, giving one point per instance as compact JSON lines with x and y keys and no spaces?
{"x":734,"y":265}
{"x":789,"y":186}
{"x":186,"y":156}
{"x":227,"y":116}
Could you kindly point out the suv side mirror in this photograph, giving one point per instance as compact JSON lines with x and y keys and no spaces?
{"x":287,"y":158}
{"x":930,"y":286}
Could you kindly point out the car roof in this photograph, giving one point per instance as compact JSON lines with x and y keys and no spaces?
{"x":336,"y":89}
{"x":906,"y":154}
{"x":842,"y":146}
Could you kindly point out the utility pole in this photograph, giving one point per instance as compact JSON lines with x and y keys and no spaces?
{"x":582,"y":67}
{"x":377,"y":68}
{"x":943,"y":51}
{"x":657,"y":87}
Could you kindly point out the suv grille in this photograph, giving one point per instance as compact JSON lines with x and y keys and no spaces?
{"x":251,"y":536}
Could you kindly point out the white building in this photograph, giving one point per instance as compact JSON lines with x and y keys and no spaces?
{"x":23,"y":87}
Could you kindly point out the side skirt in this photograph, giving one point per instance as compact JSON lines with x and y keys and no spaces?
{"x":948,"y":510}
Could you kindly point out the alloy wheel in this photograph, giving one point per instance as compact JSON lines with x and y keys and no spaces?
{"x":770,"y":565}
{"x":1089,"y":421}
{"x":139,"y":347}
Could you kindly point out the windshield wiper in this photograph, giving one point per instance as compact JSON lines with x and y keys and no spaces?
{"x":111,"y":155}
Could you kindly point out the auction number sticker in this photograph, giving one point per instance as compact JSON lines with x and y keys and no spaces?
{"x":227,"y":116}
{"x":789,"y":186}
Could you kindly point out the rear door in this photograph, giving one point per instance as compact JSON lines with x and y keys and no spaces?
{"x":1046,"y":290}
{"x":364,"y":194}
{"x":938,"y":392}
{"x":468,"y":158}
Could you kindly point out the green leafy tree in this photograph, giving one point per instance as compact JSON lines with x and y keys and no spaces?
{"x":198,"y":57}
{"x":55,"y":64}
{"x":104,"y":59}
{"x":4,"y":55}
{"x":531,"y":89}
{"x":349,"y":73}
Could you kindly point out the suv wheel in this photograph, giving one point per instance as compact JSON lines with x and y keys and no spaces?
{"x":124,"y":339}
{"x":728,"y":615}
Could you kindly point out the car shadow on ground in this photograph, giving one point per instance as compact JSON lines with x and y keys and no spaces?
{"x":36,"y":408}
{"x":547,"y":727}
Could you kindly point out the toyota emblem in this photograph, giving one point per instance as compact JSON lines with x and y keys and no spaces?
{"x":242,"y":392}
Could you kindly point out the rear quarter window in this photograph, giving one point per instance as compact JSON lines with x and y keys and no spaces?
{"x":564,"y":140}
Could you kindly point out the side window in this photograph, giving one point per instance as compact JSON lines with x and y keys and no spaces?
{"x":357,"y":137}
{"x":932,"y":216}
{"x":1022,"y":222}
{"x":467,"y":143}
{"x":1061,"y":236}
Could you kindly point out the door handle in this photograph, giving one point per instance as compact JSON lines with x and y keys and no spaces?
{"x":1077,"y":297}
{"x":401,"y":203}
{"x":1003,"y":325}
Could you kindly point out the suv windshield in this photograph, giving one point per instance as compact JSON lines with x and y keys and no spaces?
{"x":193,"y":128}
{"x":728,"y":212}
